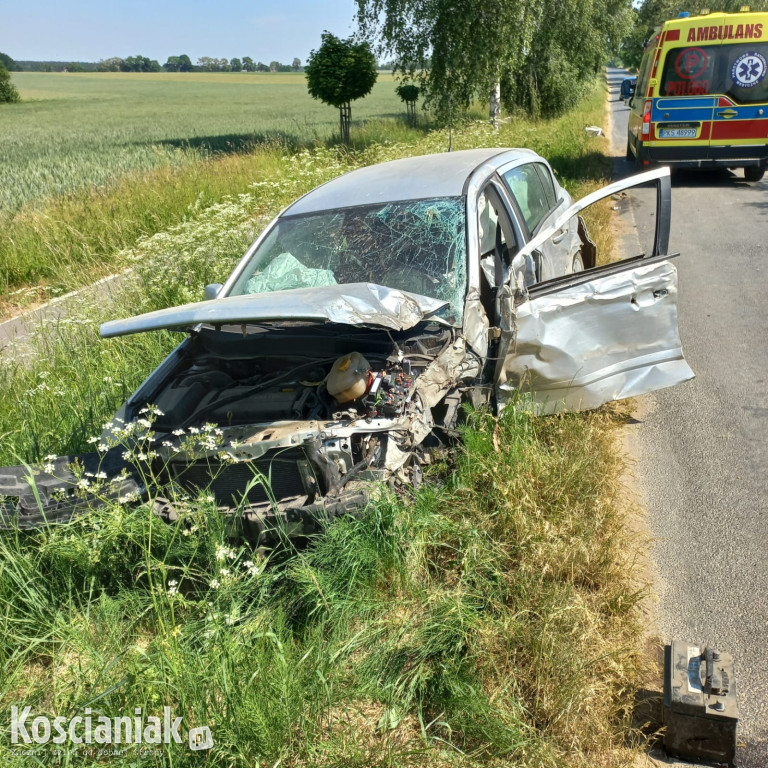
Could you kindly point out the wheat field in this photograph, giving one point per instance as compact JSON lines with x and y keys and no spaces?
{"x":79,"y":129}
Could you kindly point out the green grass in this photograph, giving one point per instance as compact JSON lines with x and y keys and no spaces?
{"x":76,"y":130}
{"x":486,"y":620}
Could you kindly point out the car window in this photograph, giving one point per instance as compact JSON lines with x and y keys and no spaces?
{"x":417,"y":246}
{"x":496,"y":237}
{"x":526,"y":187}
{"x":549,"y":184}
{"x":488,"y":226}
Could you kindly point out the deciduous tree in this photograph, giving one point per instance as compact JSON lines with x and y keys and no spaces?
{"x":296,"y":65}
{"x":8,"y":92}
{"x":236,"y":65}
{"x":409,"y":93}
{"x":139,"y":64}
{"x":571,"y":43}
{"x":178,"y":64}
{"x":110,"y":65}
{"x":7,"y":62}
{"x":339,"y":72}
{"x":455,"y":49}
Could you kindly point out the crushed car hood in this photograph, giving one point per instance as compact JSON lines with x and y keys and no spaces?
{"x":350,"y":304}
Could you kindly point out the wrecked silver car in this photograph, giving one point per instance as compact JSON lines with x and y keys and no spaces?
{"x":339,"y":352}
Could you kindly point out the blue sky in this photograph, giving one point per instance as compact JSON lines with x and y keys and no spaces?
{"x":89,"y":30}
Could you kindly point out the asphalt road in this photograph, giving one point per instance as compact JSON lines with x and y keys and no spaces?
{"x":702,"y":447}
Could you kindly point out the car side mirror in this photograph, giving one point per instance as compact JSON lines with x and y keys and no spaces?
{"x":212,"y":291}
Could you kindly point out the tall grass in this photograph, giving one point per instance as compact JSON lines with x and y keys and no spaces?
{"x":485,"y":620}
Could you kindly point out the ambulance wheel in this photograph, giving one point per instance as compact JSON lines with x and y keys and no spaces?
{"x":630,"y":156}
{"x":753,"y":173}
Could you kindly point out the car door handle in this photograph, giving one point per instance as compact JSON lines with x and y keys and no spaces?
{"x":728,"y":113}
{"x":558,"y":236}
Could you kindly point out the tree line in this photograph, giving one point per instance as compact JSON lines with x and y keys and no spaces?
{"x":183,"y":63}
{"x":140,"y":63}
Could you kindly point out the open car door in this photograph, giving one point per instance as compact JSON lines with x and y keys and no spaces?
{"x":578,"y":341}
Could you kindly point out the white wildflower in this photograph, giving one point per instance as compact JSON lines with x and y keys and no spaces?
{"x":224,"y":553}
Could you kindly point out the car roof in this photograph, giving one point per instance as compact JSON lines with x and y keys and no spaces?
{"x":410,"y":178}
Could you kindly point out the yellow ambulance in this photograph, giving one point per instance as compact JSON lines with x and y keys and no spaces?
{"x":701,"y":99}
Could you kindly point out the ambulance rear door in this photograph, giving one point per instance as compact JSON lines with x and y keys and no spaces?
{"x":741,"y":115}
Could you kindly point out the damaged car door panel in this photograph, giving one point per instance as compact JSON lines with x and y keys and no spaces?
{"x":578,"y":341}
{"x":338,"y":353}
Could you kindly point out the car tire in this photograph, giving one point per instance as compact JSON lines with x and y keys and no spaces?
{"x":630,"y":156}
{"x":577,"y":265}
{"x":753,"y":173}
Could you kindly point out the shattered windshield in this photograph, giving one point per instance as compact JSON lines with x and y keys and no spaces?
{"x":417,"y":246}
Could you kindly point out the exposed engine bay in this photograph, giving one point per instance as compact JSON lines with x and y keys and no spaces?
{"x":305,"y":417}
{"x":230,"y":387}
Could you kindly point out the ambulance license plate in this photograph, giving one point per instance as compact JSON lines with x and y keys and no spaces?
{"x":678,"y":133}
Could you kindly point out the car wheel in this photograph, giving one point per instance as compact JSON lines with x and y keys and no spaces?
{"x":630,"y":156}
{"x":577,"y":265}
{"x":754,"y":173}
